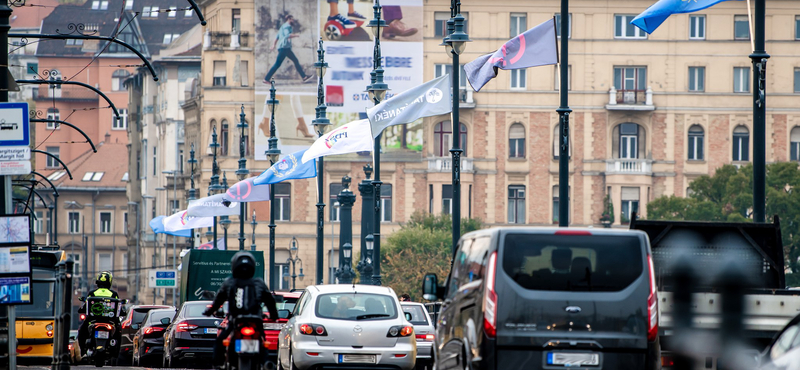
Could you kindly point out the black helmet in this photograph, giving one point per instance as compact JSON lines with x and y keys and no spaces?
{"x":243,"y":265}
{"x":104,"y":280}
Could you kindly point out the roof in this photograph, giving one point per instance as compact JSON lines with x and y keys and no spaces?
{"x":351,"y":288}
{"x":31,"y":16}
{"x":104,"y":169}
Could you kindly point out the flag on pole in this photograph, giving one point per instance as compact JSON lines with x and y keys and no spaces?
{"x":246,"y":191}
{"x":535,"y":47}
{"x":157,"y":224}
{"x":352,"y":137}
{"x":210,"y":245}
{"x":182,"y":221}
{"x":657,"y":13}
{"x":429,"y":99}
{"x":214,"y":205}
{"x":288,"y":167}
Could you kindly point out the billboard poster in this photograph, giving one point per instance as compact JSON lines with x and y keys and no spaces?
{"x":287,"y":38}
{"x":207,"y":270}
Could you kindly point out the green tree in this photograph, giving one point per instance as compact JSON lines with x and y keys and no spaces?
{"x":421,"y":246}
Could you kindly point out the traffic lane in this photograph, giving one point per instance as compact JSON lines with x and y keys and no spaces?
{"x":92,"y":367}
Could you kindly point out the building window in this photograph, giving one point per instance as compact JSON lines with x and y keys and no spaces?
{"x":630,"y":82}
{"x":630,"y":204}
{"x":741,"y":144}
{"x":697,"y":27}
{"x":105,"y":222}
{"x":32,"y":68}
{"x":569,"y":25}
{"x":440,"y":23}
{"x":245,"y":73}
{"x":386,"y":203}
{"x":741,"y":79}
{"x":104,"y":262}
{"x":219,"y":73}
{"x":173,"y":11}
{"x":125,"y":223}
{"x":123,"y":272}
{"x":236,"y":20}
{"x":122,"y":122}
{"x":51,"y":162}
{"x":100,"y":5}
{"x":38,"y":224}
{"x":623,"y":29}
{"x":696,"y":143}
{"x":556,"y":204}
{"x":155,"y":159}
{"x":223,"y":138}
{"x":285,"y":278}
{"x":74,"y":42}
{"x":128,"y":4}
{"x":283,"y":201}
{"x":628,"y":141}
{"x":697,"y":78}
{"x":117,"y":79}
{"x":516,"y":204}
{"x":154,"y":12}
{"x":741,"y":27}
{"x":170,"y":37}
{"x":558,"y":77}
{"x":146,"y":12}
{"x":442,"y":135}
{"x":430,"y":198}
{"x":447,"y":199}
{"x":519,"y":23}
{"x":516,"y":141}
{"x":53,"y":114}
{"x":797,"y":80}
{"x":441,"y":69}
{"x":557,"y":143}
{"x":334,"y":212}
{"x":794,"y":144}
{"x":518,"y":79}
{"x":188,"y":13}
{"x":176,"y":205}
{"x":74,"y":222}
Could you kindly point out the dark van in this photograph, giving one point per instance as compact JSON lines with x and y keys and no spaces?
{"x":548,"y":298}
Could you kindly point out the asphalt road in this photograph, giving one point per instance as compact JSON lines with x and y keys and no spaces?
{"x":87,"y":367}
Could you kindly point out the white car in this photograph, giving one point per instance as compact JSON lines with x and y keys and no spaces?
{"x":344,"y":325}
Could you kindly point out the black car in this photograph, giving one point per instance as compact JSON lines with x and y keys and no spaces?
{"x":190,"y":336}
{"x":148,"y":343}
{"x":546,"y":298}
{"x":135,"y":316}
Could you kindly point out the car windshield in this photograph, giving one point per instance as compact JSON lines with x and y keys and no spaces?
{"x":156,"y":316}
{"x":578,"y":263}
{"x":195,"y":309}
{"x":139,"y":314}
{"x":418,"y":316}
{"x":356,"y":306}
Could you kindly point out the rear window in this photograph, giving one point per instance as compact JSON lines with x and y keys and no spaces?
{"x":156,"y":316}
{"x":577,"y":263}
{"x":195,"y":310}
{"x":418,"y":316}
{"x":139,"y":314}
{"x":356,"y":306}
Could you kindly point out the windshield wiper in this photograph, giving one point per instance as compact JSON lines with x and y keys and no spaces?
{"x":372,"y":316}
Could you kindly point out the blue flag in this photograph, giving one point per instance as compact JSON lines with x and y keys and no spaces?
{"x":535,"y":47}
{"x":157,"y":224}
{"x":289,"y":167}
{"x":657,"y":13}
{"x":245,"y":191}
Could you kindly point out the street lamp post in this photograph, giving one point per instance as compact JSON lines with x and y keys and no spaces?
{"x":563,"y":115}
{"x":293,"y":259}
{"x":253,"y":223}
{"x":274,"y":155}
{"x":369,"y":241}
{"x":241,"y":174}
{"x":213,"y":186}
{"x":346,"y":198}
{"x":225,"y":221}
{"x":759,"y":59}
{"x":192,"y":191}
{"x":321,"y":124}
{"x":377,"y":92}
{"x":365,"y":190}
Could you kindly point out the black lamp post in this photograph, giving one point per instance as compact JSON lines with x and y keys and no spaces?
{"x":294,"y":259}
{"x":321,"y":124}
{"x":192,"y":190}
{"x":214,"y":187}
{"x":346,"y":199}
{"x":225,"y":221}
{"x":274,"y":154}
{"x":563,"y":115}
{"x":377,"y":92}
{"x":759,"y":59}
{"x":241,"y":174}
{"x":369,"y":241}
{"x":253,"y":223}
{"x":456,"y":42}
{"x":365,"y":190}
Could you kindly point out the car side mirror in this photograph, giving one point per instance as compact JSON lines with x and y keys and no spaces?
{"x":408,"y":316}
{"x":135,"y":326}
{"x":165,"y":320}
{"x":430,"y":288}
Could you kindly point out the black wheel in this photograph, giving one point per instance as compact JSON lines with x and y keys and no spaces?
{"x":246,"y":363}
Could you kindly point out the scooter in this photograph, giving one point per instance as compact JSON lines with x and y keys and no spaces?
{"x":335,"y":30}
{"x":103,"y":314}
{"x":246,"y":345}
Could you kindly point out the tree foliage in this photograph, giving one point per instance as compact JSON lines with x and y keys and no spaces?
{"x":421,"y":246}
{"x":728,"y":196}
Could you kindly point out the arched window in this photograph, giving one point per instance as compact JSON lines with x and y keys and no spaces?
{"x":442,"y":136}
{"x":794,"y":145}
{"x":741,"y":144}
{"x":223,"y":138}
{"x":516,"y":141}
{"x":695,"y":144}
{"x":53,"y":114}
{"x":117,"y":78}
{"x":628,"y":141}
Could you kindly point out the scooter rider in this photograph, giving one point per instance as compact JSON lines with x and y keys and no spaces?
{"x":244,"y":294}
{"x":104,"y":290}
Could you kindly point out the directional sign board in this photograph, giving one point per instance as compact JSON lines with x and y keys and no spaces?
{"x":162,"y":279}
{"x":15,"y":139}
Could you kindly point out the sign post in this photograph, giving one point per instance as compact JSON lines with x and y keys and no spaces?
{"x":162,"y":279}
{"x":15,"y":139}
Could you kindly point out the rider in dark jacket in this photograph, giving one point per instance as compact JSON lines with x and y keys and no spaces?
{"x":103,"y":283}
{"x":244,"y":295}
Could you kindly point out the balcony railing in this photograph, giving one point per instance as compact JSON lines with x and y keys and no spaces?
{"x":65,"y":92}
{"x":630,"y":99}
{"x":221,"y":40}
{"x":465,"y":98}
{"x":629,"y":166}
{"x":445,"y":164}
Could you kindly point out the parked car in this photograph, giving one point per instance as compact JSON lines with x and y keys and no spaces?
{"x":190,"y":336}
{"x":286,"y":302}
{"x":784,"y":351}
{"x":148,"y":343}
{"x":533,"y":298}
{"x":424,"y":331}
{"x":135,"y":315}
{"x":347,"y":325}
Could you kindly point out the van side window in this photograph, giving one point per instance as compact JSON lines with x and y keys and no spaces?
{"x":477,"y":258}
{"x":458,"y":273}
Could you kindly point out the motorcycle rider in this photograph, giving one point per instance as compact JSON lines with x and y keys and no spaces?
{"x":103,"y":283}
{"x":244,"y":294}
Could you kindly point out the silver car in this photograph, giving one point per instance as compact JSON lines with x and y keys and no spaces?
{"x":425,"y":332}
{"x":347,"y":325}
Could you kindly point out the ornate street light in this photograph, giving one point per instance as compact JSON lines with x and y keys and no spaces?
{"x":214,"y":187}
{"x":225,"y":221}
{"x":241,"y":174}
{"x":368,"y":265}
{"x":192,"y":190}
{"x":321,"y":124}
{"x":253,"y":223}
{"x":294,"y":259}
{"x":274,"y":154}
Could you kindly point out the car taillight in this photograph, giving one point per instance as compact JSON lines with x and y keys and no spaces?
{"x":83,"y":317}
{"x":490,"y":299}
{"x":152,"y":329}
{"x":667,"y":361}
{"x":186,"y":327}
{"x":309,"y":329}
{"x":400,"y":331}
{"x":103,"y":325}
{"x":425,"y":337}
{"x":652,"y":304}
{"x":247,"y":331}
{"x":125,"y":324}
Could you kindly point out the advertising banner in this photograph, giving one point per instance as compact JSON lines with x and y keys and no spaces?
{"x":205,"y":270}
{"x":15,"y":259}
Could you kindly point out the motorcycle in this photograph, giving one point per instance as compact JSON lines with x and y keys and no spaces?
{"x":246,"y":343}
{"x":103,"y":315}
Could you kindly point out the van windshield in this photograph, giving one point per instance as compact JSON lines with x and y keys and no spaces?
{"x":578,"y":263}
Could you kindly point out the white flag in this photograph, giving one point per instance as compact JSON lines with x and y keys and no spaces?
{"x":429,"y":99}
{"x":182,"y":221}
{"x":352,"y":137}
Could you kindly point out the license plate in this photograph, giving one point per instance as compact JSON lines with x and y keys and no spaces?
{"x":246,"y":346}
{"x":210,"y":330}
{"x":356,"y":359}
{"x":571,"y":359}
{"x":272,"y":326}
{"x":101,"y":334}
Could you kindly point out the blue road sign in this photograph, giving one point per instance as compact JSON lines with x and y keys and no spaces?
{"x":165,"y":274}
{"x":14,"y":125}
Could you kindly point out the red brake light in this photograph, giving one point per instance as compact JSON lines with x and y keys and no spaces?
{"x":306,"y":329}
{"x":83,"y":317}
{"x":572,"y":232}
{"x":186,"y":327}
{"x":652,"y":304}
{"x":152,"y":329}
{"x":319,"y":330}
{"x":490,"y":298}
{"x":103,"y":325}
{"x":425,"y":337}
{"x":406,"y":331}
{"x":667,"y":361}
{"x":247,"y":330}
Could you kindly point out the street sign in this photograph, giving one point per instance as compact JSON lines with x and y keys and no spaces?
{"x":162,"y":279}
{"x":14,"y":125}
{"x":15,"y":167}
{"x":15,"y":153}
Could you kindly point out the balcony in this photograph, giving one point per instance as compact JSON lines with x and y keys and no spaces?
{"x":630,"y":100}
{"x":64,"y":93}
{"x":465,"y":98}
{"x":621,"y":166}
{"x":445,"y":164}
{"x":226,"y":40}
